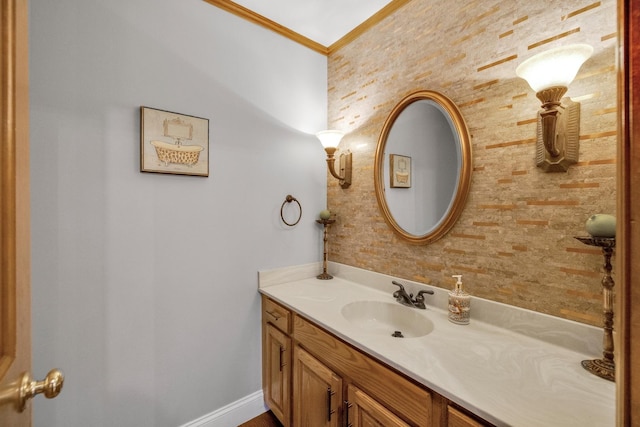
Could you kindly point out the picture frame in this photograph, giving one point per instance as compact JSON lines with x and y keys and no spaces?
{"x":400,"y":171}
{"x":173,"y":143}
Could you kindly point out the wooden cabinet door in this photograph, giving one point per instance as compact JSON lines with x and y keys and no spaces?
{"x":363,"y":411}
{"x":277,"y":373}
{"x":317,"y":390}
{"x":457,"y":418}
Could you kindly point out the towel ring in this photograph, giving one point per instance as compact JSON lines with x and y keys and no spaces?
{"x":290,"y":199}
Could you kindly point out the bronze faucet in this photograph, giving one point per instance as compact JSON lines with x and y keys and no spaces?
{"x":404,"y":298}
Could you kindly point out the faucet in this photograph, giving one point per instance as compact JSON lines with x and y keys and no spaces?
{"x":404,"y":298}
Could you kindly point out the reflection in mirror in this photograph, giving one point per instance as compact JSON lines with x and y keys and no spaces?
{"x":423,"y":167}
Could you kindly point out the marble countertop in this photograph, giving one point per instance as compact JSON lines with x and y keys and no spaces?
{"x":508,"y":377}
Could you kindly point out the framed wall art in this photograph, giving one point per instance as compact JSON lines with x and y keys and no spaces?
{"x":173,"y":143}
{"x":400,"y":168}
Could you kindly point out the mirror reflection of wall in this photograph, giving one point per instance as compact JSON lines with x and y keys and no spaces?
{"x":425,"y":134}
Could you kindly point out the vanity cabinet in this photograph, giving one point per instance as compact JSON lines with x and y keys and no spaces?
{"x":319,"y":401}
{"x":276,"y":360}
{"x":387,"y":391}
{"x":311,"y":378}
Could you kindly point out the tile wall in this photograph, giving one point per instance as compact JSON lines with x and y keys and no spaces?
{"x":514,"y":240}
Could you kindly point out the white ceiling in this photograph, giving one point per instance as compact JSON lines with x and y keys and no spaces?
{"x":323,"y":21}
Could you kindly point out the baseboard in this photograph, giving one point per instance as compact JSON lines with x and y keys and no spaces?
{"x":233,"y":414}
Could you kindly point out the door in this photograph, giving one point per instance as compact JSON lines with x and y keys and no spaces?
{"x":16,"y":385}
{"x":317,"y":390}
{"x":627,"y":268}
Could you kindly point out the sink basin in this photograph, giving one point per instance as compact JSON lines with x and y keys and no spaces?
{"x":387,"y":318}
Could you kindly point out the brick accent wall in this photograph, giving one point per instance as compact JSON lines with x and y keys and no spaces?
{"x":514,"y":240}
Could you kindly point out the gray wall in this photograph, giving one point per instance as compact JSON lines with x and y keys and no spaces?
{"x":144,"y":285}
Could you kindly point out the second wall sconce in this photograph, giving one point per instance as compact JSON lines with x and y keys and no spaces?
{"x":330,"y":140}
{"x":549,"y":74}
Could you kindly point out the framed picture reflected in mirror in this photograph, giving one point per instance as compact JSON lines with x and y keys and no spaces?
{"x":400,"y":168}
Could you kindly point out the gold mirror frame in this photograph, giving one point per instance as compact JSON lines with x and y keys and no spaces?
{"x":464,"y":174}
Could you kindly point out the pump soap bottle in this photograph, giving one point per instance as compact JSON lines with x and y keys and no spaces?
{"x":459,"y":303}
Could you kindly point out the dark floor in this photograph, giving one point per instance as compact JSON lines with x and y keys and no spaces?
{"x":265,"y":420}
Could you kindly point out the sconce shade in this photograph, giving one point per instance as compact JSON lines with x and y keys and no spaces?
{"x":330,"y":138}
{"x":549,"y":74}
{"x":554,"y":67}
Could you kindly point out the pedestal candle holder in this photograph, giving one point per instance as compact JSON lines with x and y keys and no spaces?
{"x":605,"y":367}
{"x":325,"y":223}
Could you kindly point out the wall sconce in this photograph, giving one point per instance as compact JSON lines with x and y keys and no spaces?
{"x":549,"y":74}
{"x":330,"y":140}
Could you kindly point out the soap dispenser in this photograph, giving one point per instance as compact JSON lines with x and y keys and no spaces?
{"x":459,"y":303}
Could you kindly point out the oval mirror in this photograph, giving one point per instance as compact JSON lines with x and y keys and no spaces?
{"x":423,"y":167}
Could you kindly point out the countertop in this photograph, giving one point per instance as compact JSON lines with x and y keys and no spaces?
{"x":508,"y":376}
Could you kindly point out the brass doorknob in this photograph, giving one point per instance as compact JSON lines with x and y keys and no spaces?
{"x":24,"y":389}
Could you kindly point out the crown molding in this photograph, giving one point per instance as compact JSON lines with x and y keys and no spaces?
{"x":267,"y":23}
{"x":366,"y":25}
